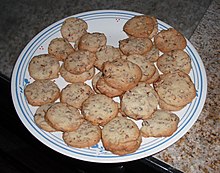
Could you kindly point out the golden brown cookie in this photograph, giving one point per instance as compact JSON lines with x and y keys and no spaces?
{"x":121,"y":74}
{"x":175,"y":88}
{"x":75,"y":94}
{"x":174,"y":60}
{"x":86,"y":135}
{"x":79,"y":62}
{"x":73,"y":78}
{"x":41,"y":92}
{"x":43,"y":67}
{"x":92,"y":42}
{"x":140,"y":26}
{"x":121,"y":136}
{"x":40,"y":120}
{"x":170,"y":39}
{"x":140,"y":102}
{"x":110,"y":53}
{"x":161,"y":124}
{"x":73,"y":28}
{"x":60,"y":48}
{"x":64,"y":117}
{"x":99,"y":109}
{"x":133,"y":45}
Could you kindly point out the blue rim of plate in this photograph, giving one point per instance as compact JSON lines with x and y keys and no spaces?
{"x":97,"y":153}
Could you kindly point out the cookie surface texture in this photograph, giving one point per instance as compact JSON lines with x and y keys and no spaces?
{"x":174,"y":60}
{"x":86,"y":135}
{"x":41,"y":92}
{"x":60,"y":48}
{"x":99,"y":109}
{"x":139,"y":26}
{"x":92,"y":42}
{"x":121,"y":74}
{"x":64,"y":117}
{"x":73,"y":28}
{"x":72,"y":78}
{"x":40,"y":120}
{"x":147,"y":68}
{"x":110,"y":53}
{"x":139,"y":102}
{"x":75,"y":94}
{"x":79,"y":62}
{"x":170,"y":39}
{"x":175,"y":88}
{"x":44,"y":66}
{"x":135,"y":45}
{"x":121,"y":136}
{"x":161,"y":124}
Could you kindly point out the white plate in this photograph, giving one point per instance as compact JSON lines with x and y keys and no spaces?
{"x":110,"y":22}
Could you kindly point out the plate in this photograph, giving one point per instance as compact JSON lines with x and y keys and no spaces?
{"x":111,"y":23}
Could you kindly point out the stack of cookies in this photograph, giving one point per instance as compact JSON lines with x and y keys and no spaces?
{"x":148,"y":72}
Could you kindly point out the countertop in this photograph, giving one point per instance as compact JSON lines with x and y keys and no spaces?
{"x":199,"y":21}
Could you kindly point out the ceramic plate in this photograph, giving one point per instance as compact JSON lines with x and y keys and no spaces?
{"x":111,"y":23}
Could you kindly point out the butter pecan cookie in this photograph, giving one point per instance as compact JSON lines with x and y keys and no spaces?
{"x":139,"y":102}
{"x":64,"y":117}
{"x":170,"y":39}
{"x":121,"y":136}
{"x":75,"y":94}
{"x":79,"y":61}
{"x":161,"y":124}
{"x":133,"y":45}
{"x":92,"y":42}
{"x":86,"y":135}
{"x":175,"y":88}
{"x":121,"y":74}
{"x":41,"y":92}
{"x":60,"y":48}
{"x":73,"y":28}
{"x":44,"y":66}
{"x":99,"y":109}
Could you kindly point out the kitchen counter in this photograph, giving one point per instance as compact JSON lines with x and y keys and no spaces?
{"x":199,"y":21}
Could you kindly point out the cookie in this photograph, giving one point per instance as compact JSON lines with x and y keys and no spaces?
{"x":155,"y":30}
{"x":175,"y":88}
{"x":86,"y":135}
{"x":73,"y":78}
{"x":133,"y":45}
{"x":110,"y":53}
{"x":139,"y":102}
{"x":153,"y":78}
{"x":60,"y":48}
{"x":147,"y":68}
{"x":94,"y":82}
{"x":174,"y":60}
{"x":161,"y":124}
{"x":163,"y":105}
{"x":41,"y":92}
{"x":99,"y":109}
{"x":44,"y":66}
{"x":121,"y":136}
{"x":73,"y":28}
{"x":152,"y":55}
{"x":64,"y":117}
{"x":92,"y":42}
{"x":139,"y":26}
{"x":121,"y":74}
{"x":170,"y":39}
{"x":79,"y":61}
{"x":107,"y":90}
{"x":40,"y":120}
{"x":75,"y":94}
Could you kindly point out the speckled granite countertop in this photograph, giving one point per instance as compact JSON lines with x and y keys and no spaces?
{"x":199,"y":21}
